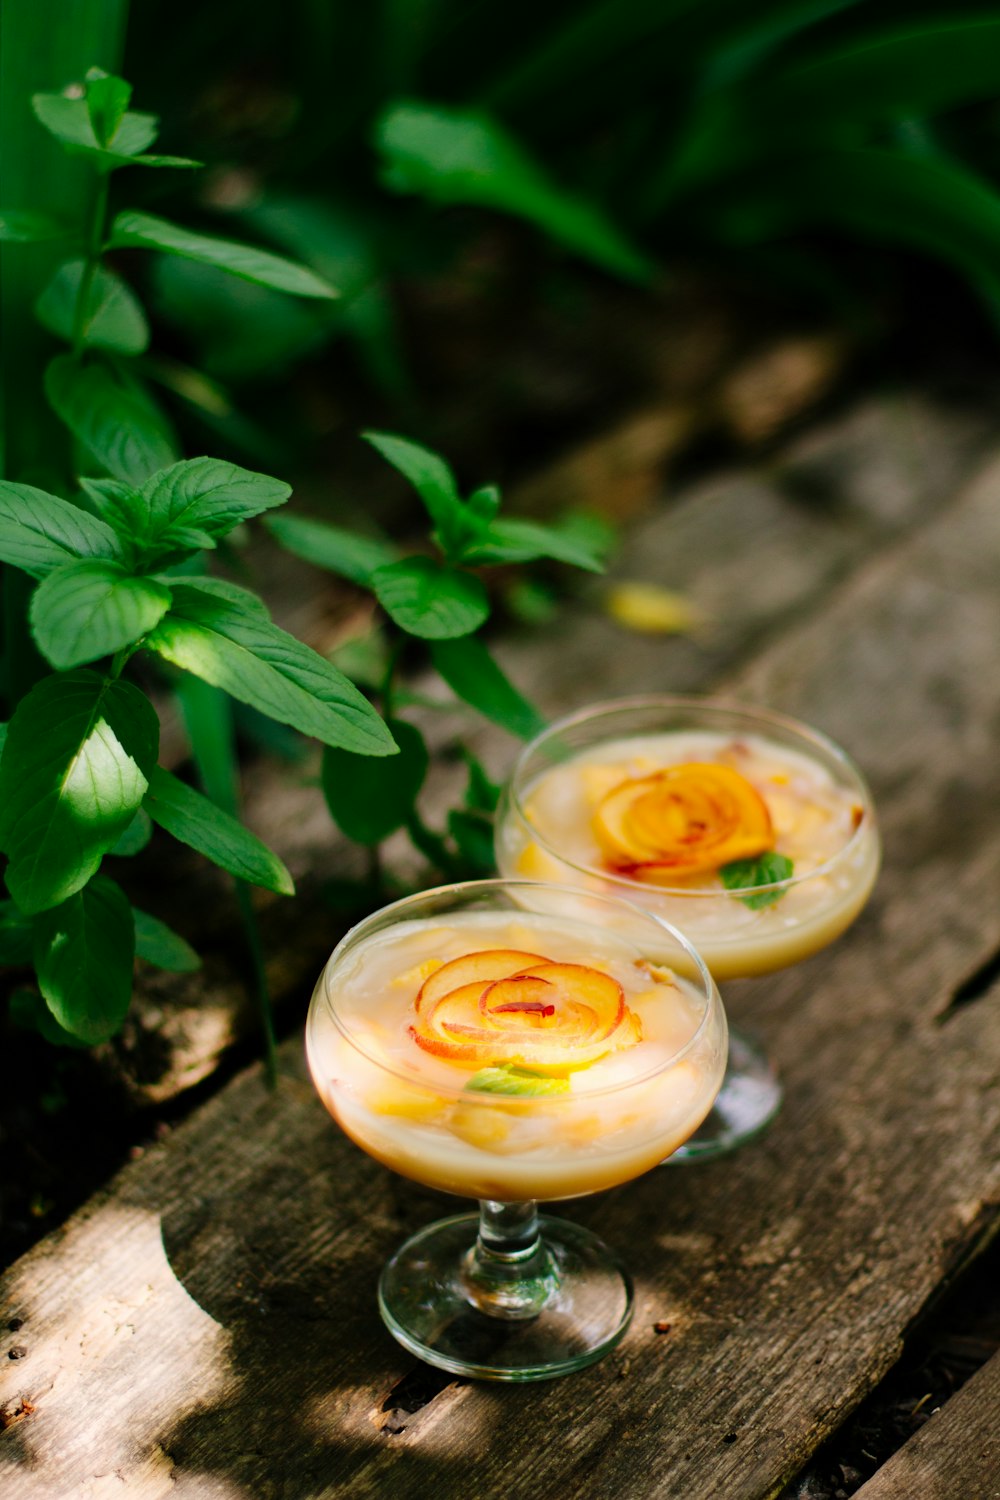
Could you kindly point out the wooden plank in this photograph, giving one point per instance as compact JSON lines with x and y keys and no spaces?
{"x":207,"y":1327}
{"x":955,"y":1456}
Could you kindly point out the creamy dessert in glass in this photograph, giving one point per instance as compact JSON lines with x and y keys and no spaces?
{"x":747,"y":830}
{"x":514,"y":1042}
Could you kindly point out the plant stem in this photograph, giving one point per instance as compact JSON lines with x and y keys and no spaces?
{"x":95,"y":243}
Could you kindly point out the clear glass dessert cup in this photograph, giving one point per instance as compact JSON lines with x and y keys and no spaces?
{"x":508,"y":1097}
{"x":821,"y":810}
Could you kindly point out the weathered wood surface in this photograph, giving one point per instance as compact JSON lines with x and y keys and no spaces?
{"x":956,"y":1456}
{"x":207,"y":1327}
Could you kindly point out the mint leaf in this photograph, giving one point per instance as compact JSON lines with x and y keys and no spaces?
{"x":430,"y":600}
{"x":484,"y":503}
{"x":514,"y":1080}
{"x":22,"y":226}
{"x":197,"y":822}
{"x":114,"y":320}
{"x":524,"y":541}
{"x":107,"y":100}
{"x":457,"y":156}
{"x":158,"y":944}
{"x":117,"y":423}
{"x":481,"y":794}
{"x":339,"y":551}
{"x":372,"y":797}
{"x":29,"y":1012}
{"x":118,"y":504}
{"x":135,"y":838}
{"x":259,"y":664}
{"x":90,"y":609}
{"x":434,"y":483}
{"x":84,"y":950}
{"x":40,"y":532}
{"x":144,"y":231}
{"x":471,"y":673}
{"x":74,"y":771}
{"x":202,"y":497}
{"x":69,"y":120}
{"x":766,"y":869}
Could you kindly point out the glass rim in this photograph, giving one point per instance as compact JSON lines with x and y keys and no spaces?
{"x":610,"y":707}
{"x":708,"y":987}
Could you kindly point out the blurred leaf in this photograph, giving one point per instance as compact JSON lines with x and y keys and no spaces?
{"x":87,"y":610}
{"x":158,"y":944}
{"x":79,"y":753}
{"x":450,"y":156}
{"x":484,"y":503}
{"x":364,"y":658}
{"x":24,"y":226}
{"x":132,"y":230}
{"x":262,"y":665}
{"x":515,"y":541}
{"x":651,"y":610}
{"x":349,"y":554}
{"x":434,"y":483}
{"x":70,"y":122}
{"x":15,"y":934}
{"x":135,"y":838}
{"x":924,"y":68}
{"x":39,"y":532}
{"x":198,"y":822}
{"x":481,"y":794}
{"x":107,"y":100}
{"x":429,"y":600}
{"x":241,"y":331}
{"x":530,"y":600}
{"x":369,"y":799}
{"x":472,"y":674}
{"x":84,"y":951}
{"x":115,"y":422}
{"x":929,"y":203}
{"x":473,"y":835}
{"x":115,"y":318}
{"x":29,"y":1012}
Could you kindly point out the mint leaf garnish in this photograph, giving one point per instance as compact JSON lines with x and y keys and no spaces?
{"x":766,"y":869}
{"x":514,"y":1080}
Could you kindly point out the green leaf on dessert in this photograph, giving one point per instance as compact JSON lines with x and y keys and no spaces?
{"x":514,"y":1080}
{"x":766,"y":870}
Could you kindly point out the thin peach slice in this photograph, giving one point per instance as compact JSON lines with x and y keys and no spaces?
{"x":592,"y":988}
{"x":485,"y":966}
{"x":682,"y":820}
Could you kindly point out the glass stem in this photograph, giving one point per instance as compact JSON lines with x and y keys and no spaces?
{"x":510,"y":1272}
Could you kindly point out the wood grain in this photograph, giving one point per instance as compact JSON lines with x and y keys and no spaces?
{"x":956,"y":1456}
{"x":207,"y":1327}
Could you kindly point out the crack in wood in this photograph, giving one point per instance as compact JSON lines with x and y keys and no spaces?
{"x":412,"y":1394}
{"x":976,"y":986}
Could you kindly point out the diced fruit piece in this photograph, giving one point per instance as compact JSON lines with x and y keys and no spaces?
{"x":534,"y":864}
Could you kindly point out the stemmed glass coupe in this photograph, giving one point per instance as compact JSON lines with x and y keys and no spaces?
{"x":516,"y":1043}
{"x":747,"y":830}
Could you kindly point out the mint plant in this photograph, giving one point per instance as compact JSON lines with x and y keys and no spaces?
{"x":119,"y":570}
{"x":442,"y":602}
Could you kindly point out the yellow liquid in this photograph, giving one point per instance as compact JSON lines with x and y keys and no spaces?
{"x":816,"y":822}
{"x":412,"y":1111}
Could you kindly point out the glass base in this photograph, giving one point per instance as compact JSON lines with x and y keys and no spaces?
{"x":748,"y":1101}
{"x":582,"y":1303}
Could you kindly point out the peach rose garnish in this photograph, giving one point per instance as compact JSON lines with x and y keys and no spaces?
{"x":682,"y":820}
{"x":500,"y":1006}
